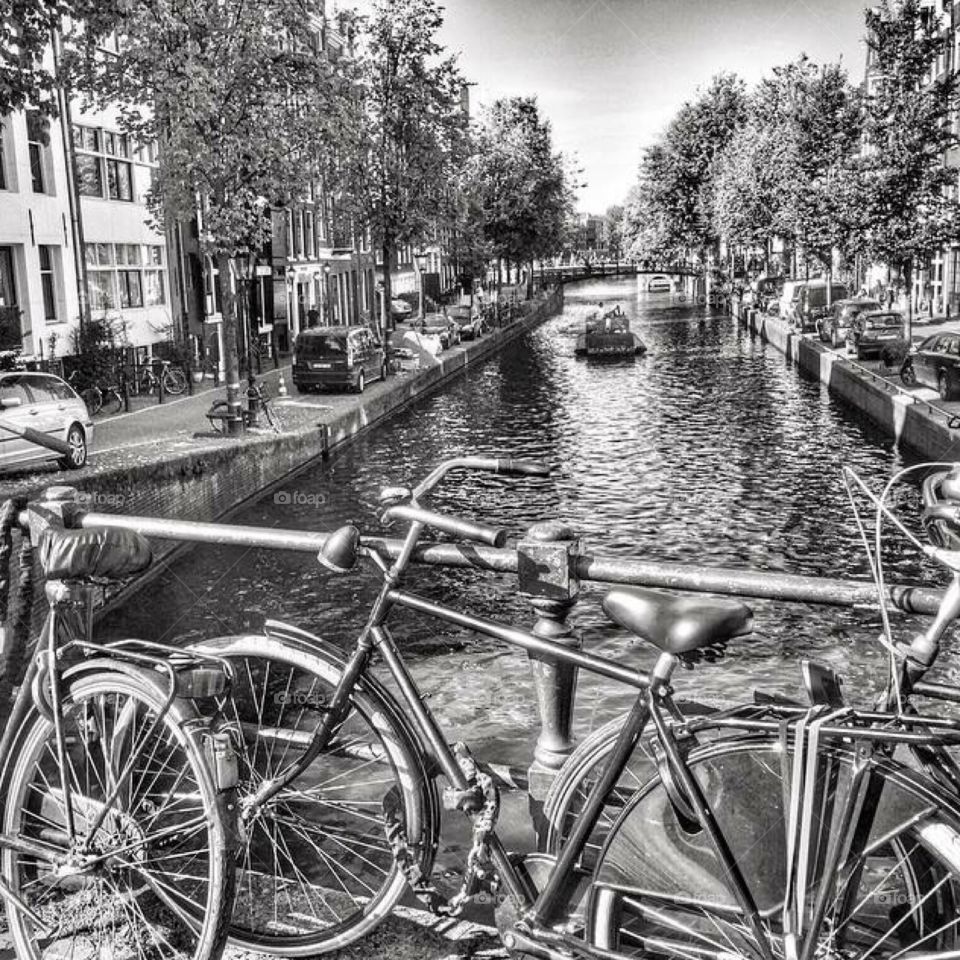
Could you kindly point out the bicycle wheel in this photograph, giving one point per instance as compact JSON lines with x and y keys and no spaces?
{"x":569,"y":791}
{"x":112,"y":402}
{"x":93,"y":399}
{"x":174,"y":381}
{"x":659,"y":890}
{"x":155,"y":879}
{"x":316,"y":869}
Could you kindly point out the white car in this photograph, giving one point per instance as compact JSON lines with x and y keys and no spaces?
{"x":46,"y":404}
{"x":660,"y":285}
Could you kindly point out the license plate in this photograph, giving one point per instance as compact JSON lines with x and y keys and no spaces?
{"x":321,"y":366}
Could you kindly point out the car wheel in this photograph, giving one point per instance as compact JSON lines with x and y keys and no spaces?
{"x":361,"y":382}
{"x":78,"y":449}
{"x":301,"y":389}
{"x":943,"y":387}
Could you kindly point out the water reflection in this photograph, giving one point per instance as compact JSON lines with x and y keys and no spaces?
{"x":708,"y":449}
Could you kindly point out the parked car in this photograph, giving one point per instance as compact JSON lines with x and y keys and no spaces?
{"x":812,"y":304}
{"x":871,"y":332}
{"x":440,"y":325}
{"x":935,"y":363}
{"x":344,"y":357}
{"x":468,"y":322}
{"x":790,"y":298}
{"x":400,"y":310}
{"x":659,"y":284}
{"x":836,"y":324}
{"x":47,"y":404}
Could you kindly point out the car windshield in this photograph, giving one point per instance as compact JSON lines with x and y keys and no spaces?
{"x":316,"y":346}
{"x":865,"y":306}
{"x":437,"y":321}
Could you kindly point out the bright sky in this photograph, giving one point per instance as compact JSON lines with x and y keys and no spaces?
{"x":609,"y":74}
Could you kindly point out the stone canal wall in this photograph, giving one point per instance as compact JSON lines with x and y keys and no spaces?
{"x":922,"y":426}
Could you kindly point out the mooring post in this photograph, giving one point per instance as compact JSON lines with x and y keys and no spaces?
{"x":547,"y":575}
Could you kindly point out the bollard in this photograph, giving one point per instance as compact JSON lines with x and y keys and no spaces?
{"x":546,"y":570}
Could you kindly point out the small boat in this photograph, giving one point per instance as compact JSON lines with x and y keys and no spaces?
{"x":609,"y":336}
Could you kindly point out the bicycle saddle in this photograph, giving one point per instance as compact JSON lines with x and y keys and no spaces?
{"x":93,"y":554}
{"x":677,"y":625}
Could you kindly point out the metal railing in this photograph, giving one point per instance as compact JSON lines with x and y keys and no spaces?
{"x":551,"y":566}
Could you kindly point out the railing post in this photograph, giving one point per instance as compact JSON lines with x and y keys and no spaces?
{"x":547,"y":576}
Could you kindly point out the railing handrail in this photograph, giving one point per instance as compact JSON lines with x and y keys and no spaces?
{"x":794,"y":588}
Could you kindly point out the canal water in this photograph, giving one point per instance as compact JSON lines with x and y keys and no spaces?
{"x":709,"y":449}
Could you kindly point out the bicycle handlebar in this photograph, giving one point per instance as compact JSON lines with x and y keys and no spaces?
{"x":506,"y":467}
{"x":462,"y":529}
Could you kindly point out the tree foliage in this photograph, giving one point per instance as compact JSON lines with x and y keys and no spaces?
{"x":672,"y":209}
{"x":521,"y":186}
{"x":26,"y":72}
{"x":910,"y":211}
{"x":401,"y":142}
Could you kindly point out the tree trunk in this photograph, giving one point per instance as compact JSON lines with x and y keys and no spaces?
{"x":386,"y":251}
{"x":228,"y":303}
{"x":907,"y":271}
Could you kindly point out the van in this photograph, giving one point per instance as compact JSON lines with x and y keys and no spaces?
{"x":347,"y":358}
{"x":812,"y":306}
{"x":790,"y":298}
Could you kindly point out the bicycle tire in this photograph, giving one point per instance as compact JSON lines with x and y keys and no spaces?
{"x":216,"y":416}
{"x":113,"y":402}
{"x":93,"y":400}
{"x":168,"y":886}
{"x":570,"y":789}
{"x":298,"y":917}
{"x":174,"y":381}
{"x":656,"y":892}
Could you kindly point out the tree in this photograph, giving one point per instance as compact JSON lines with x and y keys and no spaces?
{"x":522,"y":186}
{"x":910,"y":212}
{"x":26,"y":76}
{"x":399,"y":145}
{"x":816,"y":115}
{"x":241,"y":101}
{"x":673,"y":208}
{"x":613,"y":230}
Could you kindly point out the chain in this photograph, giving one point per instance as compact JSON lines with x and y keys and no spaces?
{"x":479,"y":871}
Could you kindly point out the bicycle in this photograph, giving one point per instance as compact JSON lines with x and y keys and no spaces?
{"x":217,"y":415}
{"x":116,"y":818}
{"x":97,"y":398}
{"x":173,"y":379}
{"x":341,"y":809}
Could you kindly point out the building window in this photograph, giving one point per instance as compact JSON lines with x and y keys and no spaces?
{"x":309,"y":248}
{"x":103,"y":165}
{"x":36,"y":143}
{"x":8,"y":285}
{"x":131,"y":290}
{"x":298,"y":233}
{"x":48,"y":282}
{"x":126,"y":275}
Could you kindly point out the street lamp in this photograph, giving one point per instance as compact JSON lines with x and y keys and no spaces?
{"x":246,"y":265}
{"x":422,"y":261}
